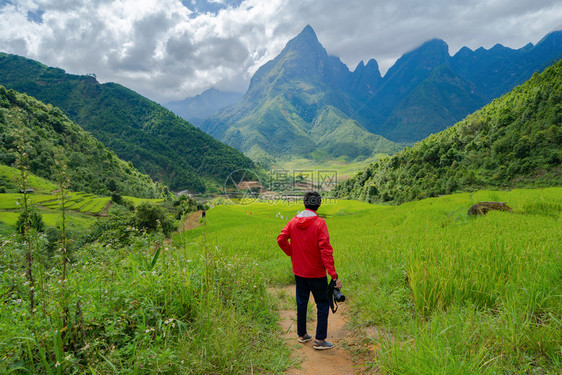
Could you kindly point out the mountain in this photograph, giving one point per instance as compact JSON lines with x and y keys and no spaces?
{"x":423,"y":93}
{"x":295,"y":106}
{"x":516,"y":141}
{"x":156,"y":141}
{"x":201,"y":107}
{"x":411,"y":107}
{"x":91,"y":168}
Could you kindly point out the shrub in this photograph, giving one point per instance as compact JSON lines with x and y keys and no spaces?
{"x":34,"y":218}
{"x":150,"y":217}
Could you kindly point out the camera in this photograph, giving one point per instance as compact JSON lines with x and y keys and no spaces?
{"x":338,"y":295}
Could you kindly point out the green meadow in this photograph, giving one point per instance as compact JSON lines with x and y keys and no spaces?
{"x":448,"y":293}
{"x":451,"y":293}
{"x":343,"y":167}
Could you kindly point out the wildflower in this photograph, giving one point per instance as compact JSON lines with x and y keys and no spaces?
{"x":67,"y":357}
{"x":173,"y":325}
{"x":57,"y":364}
{"x":32,"y":288}
{"x":18,"y":300}
{"x":34,"y":310}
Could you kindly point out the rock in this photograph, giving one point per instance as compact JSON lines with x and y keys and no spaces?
{"x":482,"y":208}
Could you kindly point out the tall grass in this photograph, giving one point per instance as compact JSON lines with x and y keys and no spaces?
{"x":451,"y":293}
{"x":455,"y":294}
{"x":147,"y":308}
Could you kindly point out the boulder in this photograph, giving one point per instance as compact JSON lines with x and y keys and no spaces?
{"x":482,"y":208}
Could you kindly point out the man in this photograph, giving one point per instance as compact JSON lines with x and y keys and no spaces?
{"x":311,"y":254}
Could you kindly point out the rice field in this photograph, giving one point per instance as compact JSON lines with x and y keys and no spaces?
{"x":82,"y":207}
{"x":452,"y":293}
{"x":447,"y":293}
{"x":40,"y":185}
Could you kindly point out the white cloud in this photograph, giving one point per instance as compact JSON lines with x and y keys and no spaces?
{"x":222,"y":44}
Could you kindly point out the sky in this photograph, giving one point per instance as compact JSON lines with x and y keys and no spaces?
{"x":172,"y":49}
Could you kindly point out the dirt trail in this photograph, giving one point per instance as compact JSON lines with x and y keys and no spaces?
{"x":336,"y":361}
{"x":191,"y":221}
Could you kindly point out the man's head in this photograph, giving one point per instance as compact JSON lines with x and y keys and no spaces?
{"x":312,"y":200}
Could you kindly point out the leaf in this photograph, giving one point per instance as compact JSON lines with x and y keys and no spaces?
{"x":155,"y":259}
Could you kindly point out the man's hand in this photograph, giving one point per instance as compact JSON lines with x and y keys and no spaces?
{"x":338,"y":283}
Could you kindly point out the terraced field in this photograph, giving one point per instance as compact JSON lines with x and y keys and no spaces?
{"x":83,"y":208}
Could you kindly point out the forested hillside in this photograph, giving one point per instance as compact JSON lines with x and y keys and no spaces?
{"x":156,"y":141}
{"x":48,"y":137}
{"x":515,"y":141}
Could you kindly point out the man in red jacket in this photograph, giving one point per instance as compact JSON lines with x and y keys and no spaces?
{"x":311,"y":254}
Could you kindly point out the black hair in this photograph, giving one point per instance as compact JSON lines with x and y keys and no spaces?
{"x":312,"y":200}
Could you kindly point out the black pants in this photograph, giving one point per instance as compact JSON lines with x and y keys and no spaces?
{"x":319,"y":289}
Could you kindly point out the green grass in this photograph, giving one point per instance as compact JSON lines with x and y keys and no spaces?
{"x":51,"y":219}
{"x":136,"y":309}
{"x":451,"y":294}
{"x":138,"y":201}
{"x":40,"y":185}
{"x":9,"y":201}
{"x":77,"y":202}
{"x":344,"y":168}
{"x":96,"y":205}
{"x":474,"y":294}
{"x":81,"y":207}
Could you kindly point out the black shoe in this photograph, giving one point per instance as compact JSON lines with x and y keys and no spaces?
{"x":322,"y":345}
{"x":305,"y":338}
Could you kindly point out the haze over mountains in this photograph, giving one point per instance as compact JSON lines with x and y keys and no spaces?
{"x":200,"y":107}
{"x":305,"y":103}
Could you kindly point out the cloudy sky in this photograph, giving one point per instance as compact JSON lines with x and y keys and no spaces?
{"x":168,"y":49}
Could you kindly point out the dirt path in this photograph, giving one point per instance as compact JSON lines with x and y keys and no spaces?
{"x":191,"y":221}
{"x":336,"y":361}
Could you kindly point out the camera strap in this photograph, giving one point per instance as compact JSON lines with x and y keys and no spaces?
{"x":333,"y":302}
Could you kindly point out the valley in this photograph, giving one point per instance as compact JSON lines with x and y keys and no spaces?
{"x":135,"y":242}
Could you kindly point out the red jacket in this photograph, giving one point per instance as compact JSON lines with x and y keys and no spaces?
{"x":309,"y":248}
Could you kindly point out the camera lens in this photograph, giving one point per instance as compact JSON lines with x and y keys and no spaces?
{"x":338,"y":296}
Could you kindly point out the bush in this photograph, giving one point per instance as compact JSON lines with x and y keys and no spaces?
{"x":150,"y":217}
{"x":34,"y":218}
